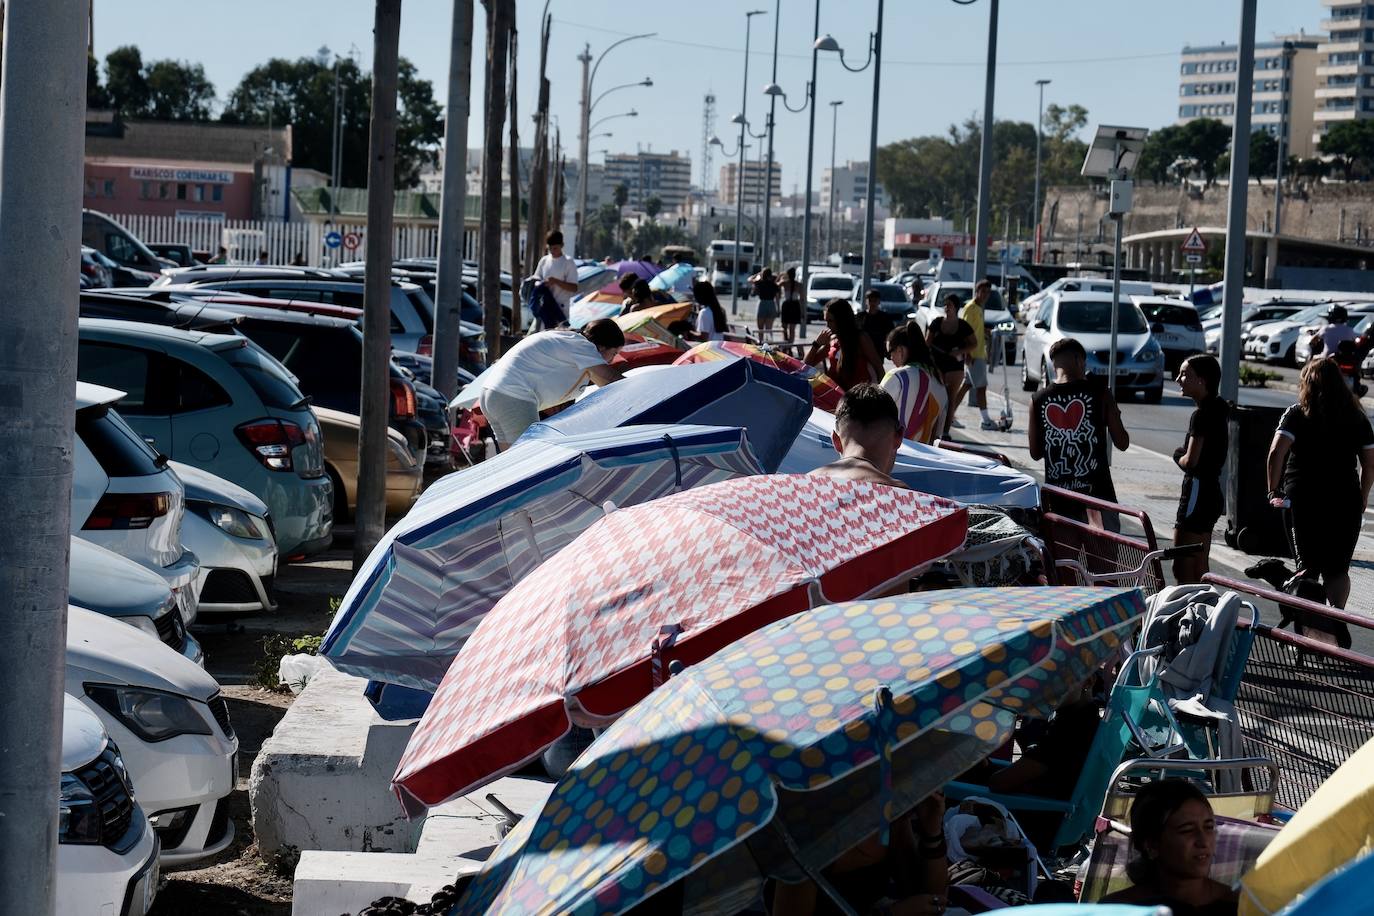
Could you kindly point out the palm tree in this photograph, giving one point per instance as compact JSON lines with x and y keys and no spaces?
{"x":620,"y":196}
{"x":499,"y":20}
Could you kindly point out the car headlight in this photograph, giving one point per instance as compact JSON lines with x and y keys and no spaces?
{"x":150,"y":714}
{"x":1262,"y":338}
{"x":1150,"y":351}
{"x":1005,"y":326}
{"x":78,"y":818}
{"x":231,"y":521}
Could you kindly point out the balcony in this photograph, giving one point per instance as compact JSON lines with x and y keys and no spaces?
{"x":1323,"y":115}
{"x":1342,"y":4}
{"x":1341,"y":23}
{"x":1348,"y":91}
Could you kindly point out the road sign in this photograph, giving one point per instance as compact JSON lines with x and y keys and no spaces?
{"x":1193,"y":258}
{"x":333,"y":239}
{"x":352,"y":240}
{"x":1194,"y":242}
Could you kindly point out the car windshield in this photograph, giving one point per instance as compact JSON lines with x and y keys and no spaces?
{"x":888,"y":293}
{"x":267,"y":377}
{"x":832,"y":283}
{"x":1311,"y":313}
{"x":1096,"y":318}
{"x":1170,"y":314}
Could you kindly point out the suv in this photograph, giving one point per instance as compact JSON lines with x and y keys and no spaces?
{"x":822,"y":287}
{"x":217,"y":402}
{"x":139,"y":305}
{"x":1088,"y":317}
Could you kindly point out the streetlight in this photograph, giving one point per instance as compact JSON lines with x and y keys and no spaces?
{"x":830,"y":208}
{"x":647,"y":81}
{"x":983,"y":224}
{"x":875,"y":57}
{"x":624,"y":114}
{"x":742,"y":121}
{"x":588,"y":80}
{"x":1035,"y":206}
{"x":1271,"y":256}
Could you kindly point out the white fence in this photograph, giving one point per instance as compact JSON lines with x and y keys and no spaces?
{"x":283,"y":242}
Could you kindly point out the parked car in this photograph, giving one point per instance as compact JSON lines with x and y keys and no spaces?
{"x":95,"y":273}
{"x":118,"y":244}
{"x":1085,"y":285}
{"x":107,"y":854}
{"x":1276,"y":342}
{"x":891,"y":299}
{"x":122,"y":275}
{"x":995,"y":315}
{"x":230,"y":531}
{"x":101,"y":580}
{"x":1176,"y":328}
{"x":822,"y":287}
{"x":404,"y":474}
{"x":1088,"y":318}
{"x":179,"y":254}
{"x":1250,"y":316}
{"x":125,"y":499}
{"x":220,"y":404}
{"x":171,"y":724}
{"x":149,"y":306}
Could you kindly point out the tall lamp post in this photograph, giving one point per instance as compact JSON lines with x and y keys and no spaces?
{"x":588,"y":81}
{"x":742,"y":120}
{"x":983,"y":224}
{"x":772,"y":110}
{"x":875,"y":57}
{"x":830,"y":209}
{"x":810,"y":157}
{"x":1271,"y":255}
{"x":1035,"y":204}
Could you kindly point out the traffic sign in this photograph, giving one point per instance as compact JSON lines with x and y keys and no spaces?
{"x":1194,"y":242}
{"x":352,"y":240}
{"x":333,"y":239}
{"x":1193,"y":258}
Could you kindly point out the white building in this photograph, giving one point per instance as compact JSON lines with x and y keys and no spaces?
{"x":847,"y":186}
{"x":1345,"y":71}
{"x":667,"y":176}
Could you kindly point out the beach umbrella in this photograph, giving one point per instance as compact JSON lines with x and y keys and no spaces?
{"x":587,"y":309}
{"x":675,"y":279}
{"x":1339,"y":894}
{"x":787,"y":748}
{"x":644,"y":270}
{"x":664,"y":315}
{"x":1333,"y":828}
{"x":579,"y":640}
{"x":825,"y":394}
{"x":477,"y":532}
{"x":771,"y":405}
{"x":963,"y":477}
{"x":641,"y":350}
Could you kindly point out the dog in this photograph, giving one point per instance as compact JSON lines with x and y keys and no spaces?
{"x":1300,"y":585}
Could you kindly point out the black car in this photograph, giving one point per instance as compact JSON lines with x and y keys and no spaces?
{"x":121,"y":305}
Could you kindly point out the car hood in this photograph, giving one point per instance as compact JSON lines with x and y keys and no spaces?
{"x":103,"y":581}
{"x":83,"y":737}
{"x":1093,"y":342}
{"x":103,"y":650}
{"x":202,"y":486}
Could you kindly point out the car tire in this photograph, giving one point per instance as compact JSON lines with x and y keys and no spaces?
{"x":1152,"y":395}
{"x":1291,"y":358}
{"x":1027,"y":383}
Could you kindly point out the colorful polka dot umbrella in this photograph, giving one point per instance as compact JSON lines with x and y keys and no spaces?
{"x":781,"y":751}
{"x":590,"y":632}
{"x":825,"y":394}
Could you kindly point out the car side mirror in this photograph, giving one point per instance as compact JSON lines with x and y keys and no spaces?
{"x":1043,"y":325}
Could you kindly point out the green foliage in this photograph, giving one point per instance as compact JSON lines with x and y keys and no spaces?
{"x":621,"y":195}
{"x":164,"y":90}
{"x":1352,"y":144}
{"x":96,"y":96}
{"x":651,"y":237}
{"x":301,"y":92}
{"x":598,"y":234}
{"x":1264,"y":155}
{"x":274,"y":648}
{"x":653,"y":207}
{"x":1196,"y":146}
{"x":1254,"y":377}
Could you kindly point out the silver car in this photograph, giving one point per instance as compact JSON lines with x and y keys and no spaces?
{"x":230,"y":531}
{"x":1176,"y":327}
{"x":1087,"y":317}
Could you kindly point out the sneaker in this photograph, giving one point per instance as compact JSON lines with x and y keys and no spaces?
{"x":991,"y":424}
{"x":956,"y":424}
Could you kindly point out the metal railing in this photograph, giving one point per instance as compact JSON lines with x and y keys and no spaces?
{"x":1086,"y":552}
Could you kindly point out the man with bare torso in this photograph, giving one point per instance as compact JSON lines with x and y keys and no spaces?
{"x":868,"y":433}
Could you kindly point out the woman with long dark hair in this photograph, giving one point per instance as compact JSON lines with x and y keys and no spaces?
{"x":1174,"y":838}
{"x":846,"y":352}
{"x":951,"y":338}
{"x":915,"y":384}
{"x":791,"y":304}
{"x":1321,"y":463}
{"x":711,"y":321}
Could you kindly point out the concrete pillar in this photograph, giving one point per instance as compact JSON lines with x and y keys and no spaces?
{"x":1169,"y":253}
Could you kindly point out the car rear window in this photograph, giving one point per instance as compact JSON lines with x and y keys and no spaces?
{"x":120,"y":451}
{"x":424,"y":306}
{"x":832,"y":283}
{"x":266,"y":377}
{"x":1171,"y":314}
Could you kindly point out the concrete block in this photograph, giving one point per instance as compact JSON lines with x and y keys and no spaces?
{"x":322,"y":781}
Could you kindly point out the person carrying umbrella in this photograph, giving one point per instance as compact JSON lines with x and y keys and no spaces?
{"x":867,"y":435}
{"x":545,"y":370}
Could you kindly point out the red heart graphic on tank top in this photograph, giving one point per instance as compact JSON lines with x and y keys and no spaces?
{"x":1068,"y":417}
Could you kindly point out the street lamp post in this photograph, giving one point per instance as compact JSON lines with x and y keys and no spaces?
{"x":830,"y":208}
{"x":983,"y":224}
{"x":741,"y":119}
{"x":588,"y":81}
{"x":810,"y":156}
{"x":1035,"y":204}
{"x":875,"y":57}
{"x":772,"y":110}
{"x":1271,"y":256}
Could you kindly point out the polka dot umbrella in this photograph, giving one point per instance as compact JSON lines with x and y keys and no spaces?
{"x":588,"y":633}
{"x":781,"y":751}
{"x":824,"y":392}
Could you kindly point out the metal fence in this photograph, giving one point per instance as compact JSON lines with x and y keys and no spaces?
{"x":285,"y":241}
{"x":1307,"y":705}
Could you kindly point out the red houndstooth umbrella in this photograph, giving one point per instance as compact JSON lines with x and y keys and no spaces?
{"x":589,"y":633}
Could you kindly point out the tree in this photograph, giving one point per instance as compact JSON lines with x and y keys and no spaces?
{"x":1204,"y":140}
{"x":620,"y":196}
{"x":653,"y":207}
{"x":500,"y":21}
{"x":1161,"y":151}
{"x":598,"y":232}
{"x":125,"y":82}
{"x":1352,"y":144}
{"x":1264,"y":155}
{"x":178,"y":91}
{"x":96,"y":96}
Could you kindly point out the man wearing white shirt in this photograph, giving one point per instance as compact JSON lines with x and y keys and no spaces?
{"x":558,"y":272}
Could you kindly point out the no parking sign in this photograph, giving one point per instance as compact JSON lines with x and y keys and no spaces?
{"x":352,"y":240}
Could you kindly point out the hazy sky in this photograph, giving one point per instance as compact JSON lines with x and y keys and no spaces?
{"x":1117,"y":58}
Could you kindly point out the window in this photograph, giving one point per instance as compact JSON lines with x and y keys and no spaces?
{"x":198,"y":192}
{"x":187,"y":388}
{"x":181,"y":191}
{"x":145,"y":190}
{"x":216,"y":193}
{"x":1096,"y":318}
{"x":90,"y":187}
{"x":119,"y":450}
{"x":265,"y":376}
{"x":120,"y":249}
{"x":109,"y":187}
{"x":121,"y":368}
{"x":326,"y":360}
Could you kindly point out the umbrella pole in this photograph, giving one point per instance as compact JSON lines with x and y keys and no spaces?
{"x":814,"y":874}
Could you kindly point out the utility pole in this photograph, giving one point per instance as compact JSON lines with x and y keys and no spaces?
{"x":983,"y":224}
{"x":539,"y":224}
{"x":1035,"y":203}
{"x":494,"y":107}
{"x":869,"y":202}
{"x":42,"y":113}
{"x":768,"y":171}
{"x":810,"y":166}
{"x":1234,"y":277}
{"x":448,"y":286}
{"x":513,"y":157}
{"x":1271,"y":257}
{"x":370,"y":517}
{"x":582,"y":148}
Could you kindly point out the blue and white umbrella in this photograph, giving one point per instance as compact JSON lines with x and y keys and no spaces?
{"x":479,"y":531}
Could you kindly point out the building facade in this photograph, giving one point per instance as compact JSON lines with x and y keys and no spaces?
{"x":753,"y":179}
{"x":667,"y":176}
{"x":1284,"y":90}
{"x":1345,"y":71}
{"x":847,"y":186}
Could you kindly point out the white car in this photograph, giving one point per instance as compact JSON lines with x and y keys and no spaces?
{"x":101,"y":580}
{"x":1085,"y":285}
{"x":1277,"y":341}
{"x":822,"y":287}
{"x":1087,"y":318}
{"x":125,"y":499}
{"x":996,"y":318}
{"x":1250,"y":316}
{"x":170,"y":723}
{"x":1302,"y":350}
{"x":1176,"y":327}
{"x":107,"y":857}
{"x":230,"y":531}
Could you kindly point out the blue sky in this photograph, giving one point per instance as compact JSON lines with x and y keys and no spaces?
{"x":1117,"y":58}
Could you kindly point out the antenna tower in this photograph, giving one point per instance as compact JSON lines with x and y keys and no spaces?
{"x":708,"y":130}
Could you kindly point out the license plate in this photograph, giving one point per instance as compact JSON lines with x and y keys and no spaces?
{"x":150,"y":882}
{"x":1166,"y":338}
{"x":1121,"y":371}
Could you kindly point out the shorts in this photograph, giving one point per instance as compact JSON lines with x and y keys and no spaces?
{"x":1200,"y":504}
{"x":768,"y":308}
{"x":791,"y":311}
{"x":976,"y":371}
{"x":1325,"y":532}
{"x":507,"y":416}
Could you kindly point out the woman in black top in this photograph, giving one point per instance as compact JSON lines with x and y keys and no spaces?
{"x":950,"y":338}
{"x":1201,"y":459}
{"x":1312,"y":464}
{"x":791,"y":305}
{"x":766,"y":288}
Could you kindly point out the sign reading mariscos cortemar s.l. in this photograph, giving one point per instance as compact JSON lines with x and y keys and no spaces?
{"x":200,"y":176}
